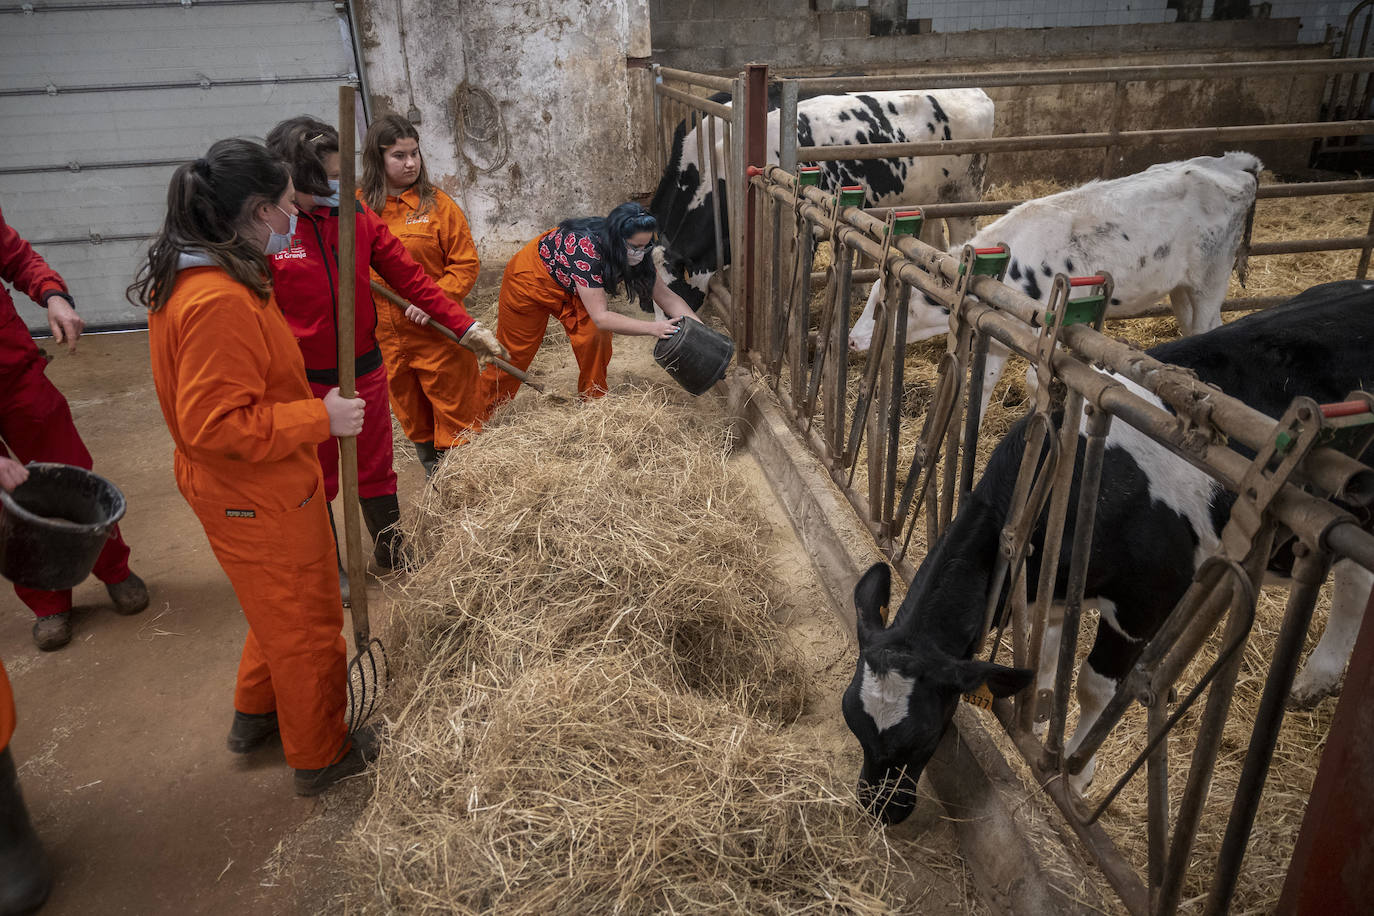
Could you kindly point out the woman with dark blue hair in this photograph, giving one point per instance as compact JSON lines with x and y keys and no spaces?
{"x":567,"y":273}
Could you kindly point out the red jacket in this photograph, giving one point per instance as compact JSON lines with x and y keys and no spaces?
{"x":21,"y":266}
{"x":305,"y":282}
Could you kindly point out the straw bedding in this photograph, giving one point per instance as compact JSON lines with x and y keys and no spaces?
{"x":594,"y":707}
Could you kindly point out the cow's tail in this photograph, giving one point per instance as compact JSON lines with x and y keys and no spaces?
{"x":1245,"y":162}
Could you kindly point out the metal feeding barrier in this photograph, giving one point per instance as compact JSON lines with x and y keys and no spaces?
{"x":1298,"y":464}
{"x":771,"y":227}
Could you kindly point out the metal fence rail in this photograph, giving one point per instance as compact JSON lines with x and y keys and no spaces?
{"x":846,"y":428}
{"x":799,"y":344}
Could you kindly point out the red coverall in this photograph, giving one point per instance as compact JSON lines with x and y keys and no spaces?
{"x":6,"y":709}
{"x":35,"y":421}
{"x":529,"y":296}
{"x":435,"y":390}
{"x":305,"y":281}
{"x":231,"y":382}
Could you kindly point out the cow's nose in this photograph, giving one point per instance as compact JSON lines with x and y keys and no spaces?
{"x":854,"y":345}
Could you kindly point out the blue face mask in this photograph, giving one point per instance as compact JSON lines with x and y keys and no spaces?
{"x":333,"y":199}
{"x":277,"y":241}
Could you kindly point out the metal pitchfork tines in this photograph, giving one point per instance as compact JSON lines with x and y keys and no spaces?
{"x":367,"y":679}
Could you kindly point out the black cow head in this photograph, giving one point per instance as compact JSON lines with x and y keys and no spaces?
{"x":903,"y":695}
{"x":672,"y":269}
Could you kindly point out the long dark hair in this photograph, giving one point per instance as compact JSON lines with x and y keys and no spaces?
{"x":302,"y":143}
{"x":381,"y":134}
{"x":209,"y":201}
{"x":612,"y":234}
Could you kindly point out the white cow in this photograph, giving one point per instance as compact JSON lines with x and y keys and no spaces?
{"x":1172,"y":230}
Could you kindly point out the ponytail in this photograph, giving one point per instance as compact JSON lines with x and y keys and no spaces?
{"x":208,"y":202}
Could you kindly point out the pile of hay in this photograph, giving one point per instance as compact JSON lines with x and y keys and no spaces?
{"x":593,"y":711}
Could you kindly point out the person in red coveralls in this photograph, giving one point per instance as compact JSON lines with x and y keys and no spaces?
{"x":24,"y":877}
{"x":36,"y":424}
{"x":306,"y":283}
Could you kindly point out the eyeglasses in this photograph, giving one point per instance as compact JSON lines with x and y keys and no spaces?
{"x":645,"y":247}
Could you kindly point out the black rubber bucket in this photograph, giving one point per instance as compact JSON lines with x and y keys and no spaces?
{"x":696,"y":356}
{"x":54,"y":525}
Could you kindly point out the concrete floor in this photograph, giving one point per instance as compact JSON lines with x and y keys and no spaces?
{"x":120,"y":737}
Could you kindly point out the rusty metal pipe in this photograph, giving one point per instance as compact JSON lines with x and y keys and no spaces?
{"x":1078,"y":75}
{"x":1038,"y":142}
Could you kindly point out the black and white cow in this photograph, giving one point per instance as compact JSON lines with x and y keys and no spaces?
{"x":684,"y":201}
{"x":1157,"y":518}
{"x":1172,"y":230}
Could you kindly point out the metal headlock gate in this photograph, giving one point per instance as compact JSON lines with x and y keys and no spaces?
{"x":803,"y":355}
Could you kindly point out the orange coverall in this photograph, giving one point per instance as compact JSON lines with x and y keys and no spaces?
{"x":529,"y":296}
{"x":435,"y":390}
{"x":231,"y":382}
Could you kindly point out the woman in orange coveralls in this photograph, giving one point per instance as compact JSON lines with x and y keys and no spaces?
{"x":435,"y":391}
{"x":24,"y":877}
{"x":305,"y":279}
{"x":566,"y":273}
{"x":231,"y":382}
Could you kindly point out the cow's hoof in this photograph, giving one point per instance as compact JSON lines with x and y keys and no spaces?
{"x":1305,"y":697}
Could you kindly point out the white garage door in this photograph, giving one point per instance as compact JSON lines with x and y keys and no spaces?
{"x":100,"y":101}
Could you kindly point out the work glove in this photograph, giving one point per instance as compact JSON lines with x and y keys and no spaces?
{"x":480,"y":340}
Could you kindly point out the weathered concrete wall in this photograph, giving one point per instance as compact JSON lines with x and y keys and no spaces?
{"x":564,"y":138}
{"x":702,"y":35}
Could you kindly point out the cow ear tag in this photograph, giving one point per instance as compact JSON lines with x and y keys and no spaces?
{"x":982,"y":697}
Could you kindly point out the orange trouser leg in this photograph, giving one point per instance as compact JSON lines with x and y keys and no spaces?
{"x":282,"y":567}
{"x":408,"y":401}
{"x":592,"y":347}
{"x":449,"y":384}
{"x":522,"y":315}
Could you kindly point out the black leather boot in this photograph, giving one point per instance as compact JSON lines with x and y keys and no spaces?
{"x":382,"y":514}
{"x":338,"y":558}
{"x":429,"y":457}
{"x":24,"y":878}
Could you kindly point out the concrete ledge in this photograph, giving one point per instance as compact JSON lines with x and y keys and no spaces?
{"x":967,"y":773}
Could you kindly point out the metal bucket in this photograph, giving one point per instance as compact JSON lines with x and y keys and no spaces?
{"x":696,"y":356}
{"x":54,"y":525}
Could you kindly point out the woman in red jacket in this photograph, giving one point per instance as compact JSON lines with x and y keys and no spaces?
{"x":306,"y":282}
{"x":36,"y":424}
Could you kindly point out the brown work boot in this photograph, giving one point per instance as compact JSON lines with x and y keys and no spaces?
{"x":363,"y":750}
{"x":251,"y":731}
{"x":129,"y":596}
{"x":53,"y":632}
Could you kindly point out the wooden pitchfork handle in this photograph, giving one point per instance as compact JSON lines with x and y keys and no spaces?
{"x":449,"y":333}
{"x":348,"y":445}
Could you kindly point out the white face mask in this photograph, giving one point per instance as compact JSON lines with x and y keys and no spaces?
{"x":333,"y":199}
{"x":634,"y":255}
{"x":277,"y":241}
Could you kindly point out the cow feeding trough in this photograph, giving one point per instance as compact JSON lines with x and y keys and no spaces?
{"x":593,"y":713}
